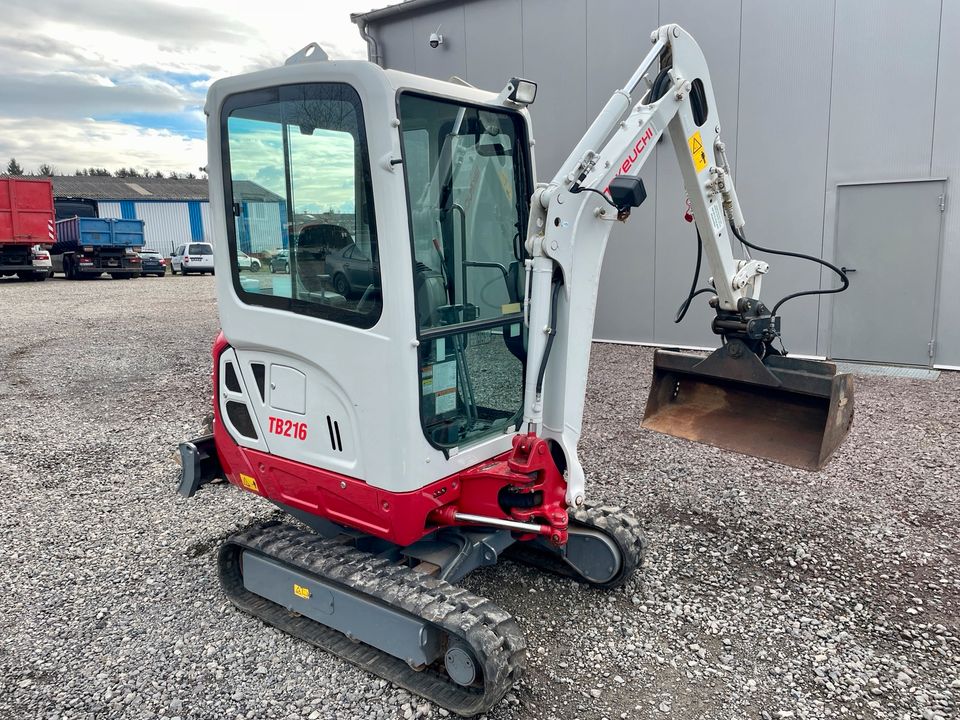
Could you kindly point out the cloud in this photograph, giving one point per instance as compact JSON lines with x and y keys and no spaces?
{"x":70,"y":95}
{"x":138,"y":65}
{"x":146,"y":19}
{"x":91,"y":143}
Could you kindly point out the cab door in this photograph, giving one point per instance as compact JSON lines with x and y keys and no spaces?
{"x":308,"y":362}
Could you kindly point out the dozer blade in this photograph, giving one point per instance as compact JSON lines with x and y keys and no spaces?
{"x":794,"y":412}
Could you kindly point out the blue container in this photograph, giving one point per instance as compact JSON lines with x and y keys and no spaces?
{"x":98,"y":232}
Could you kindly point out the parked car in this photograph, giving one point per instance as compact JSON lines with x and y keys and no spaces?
{"x":245,"y":262}
{"x":153,"y":263}
{"x":280,"y":263}
{"x":42,"y":267}
{"x":351,"y":270}
{"x":192,"y":258}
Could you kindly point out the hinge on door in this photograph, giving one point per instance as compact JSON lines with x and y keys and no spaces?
{"x":943,"y":202}
{"x":930,"y":347}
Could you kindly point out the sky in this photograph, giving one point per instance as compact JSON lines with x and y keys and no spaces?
{"x":121,"y":83}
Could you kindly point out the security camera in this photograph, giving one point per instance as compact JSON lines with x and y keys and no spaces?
{"x":436,"y":39}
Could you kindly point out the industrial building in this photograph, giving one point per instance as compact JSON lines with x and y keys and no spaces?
{"x":825,"y":163}
{"x":173,"y":210}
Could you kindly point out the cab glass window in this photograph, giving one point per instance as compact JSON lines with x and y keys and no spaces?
{"x":299,"y":192}
{"x":468,"y":189}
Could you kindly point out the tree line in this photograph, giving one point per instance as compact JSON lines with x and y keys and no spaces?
{"x":47,"y":170}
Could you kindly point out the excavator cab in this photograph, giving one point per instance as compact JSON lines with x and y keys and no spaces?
{"x":792,"y":411}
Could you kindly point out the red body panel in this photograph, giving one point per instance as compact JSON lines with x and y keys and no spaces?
{"x":26,"y":212}
{"x":402,"y":518}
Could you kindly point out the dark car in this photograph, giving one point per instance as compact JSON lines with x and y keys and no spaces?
{"x":351,"y":270}
{"x":153,"y":263}
{"x":280,"y":262}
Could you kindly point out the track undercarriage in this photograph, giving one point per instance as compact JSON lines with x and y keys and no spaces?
{"x":395,"y":612}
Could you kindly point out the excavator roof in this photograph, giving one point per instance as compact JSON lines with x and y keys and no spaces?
{"x":311,"y":65}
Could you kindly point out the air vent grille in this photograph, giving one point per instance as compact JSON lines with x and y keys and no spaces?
{"x":230,"y":378}
{"x":241,"y":420}
{"x":260,"y":375}
{"x":333,"y":427}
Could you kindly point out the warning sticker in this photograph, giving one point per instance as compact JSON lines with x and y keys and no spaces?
{"x":697,"y":151}
{"x":445,"y":376}
{"x":301,"y":591}
{"x":446,"y":400}
{"x":249,"y":483}
{"x":716,"y":216}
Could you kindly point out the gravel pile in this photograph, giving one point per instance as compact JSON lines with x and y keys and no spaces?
{"x":768,"y":592}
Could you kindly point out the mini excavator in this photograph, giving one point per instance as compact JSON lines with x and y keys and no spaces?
{"x":409,"y":383}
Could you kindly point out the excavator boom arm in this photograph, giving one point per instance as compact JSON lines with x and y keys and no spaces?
{"x":571,"y":218}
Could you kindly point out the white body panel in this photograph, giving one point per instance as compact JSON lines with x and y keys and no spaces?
{"x":368,"y":380}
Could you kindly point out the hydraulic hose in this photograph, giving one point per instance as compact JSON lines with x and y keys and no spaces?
{"x":843,"y":276}
{"x":552,"y":333}
{"x":685,"y":305}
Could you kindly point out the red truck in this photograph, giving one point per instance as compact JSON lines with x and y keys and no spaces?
{"x":27,"y":227}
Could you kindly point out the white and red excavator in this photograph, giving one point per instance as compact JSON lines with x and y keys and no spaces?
{"x":412,"y":390}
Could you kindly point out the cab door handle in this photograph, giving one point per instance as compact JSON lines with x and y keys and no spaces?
{"x":846,"y":270}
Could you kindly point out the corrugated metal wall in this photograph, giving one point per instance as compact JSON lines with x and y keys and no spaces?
{"x":259,"y":228}
{"x":805,"y":93}
{"x":207,"y":222}
{"x":108,"y":209}
{"x":166,"y":223}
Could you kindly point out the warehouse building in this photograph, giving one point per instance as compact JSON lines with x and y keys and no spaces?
{"x":839,"y":121}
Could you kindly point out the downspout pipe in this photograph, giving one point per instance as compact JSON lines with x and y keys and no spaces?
{"x":373,"y":48}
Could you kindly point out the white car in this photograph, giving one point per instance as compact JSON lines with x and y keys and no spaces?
{"x":192,"y":258}
{"x":245,"y":262}
{"x":42,"y":265}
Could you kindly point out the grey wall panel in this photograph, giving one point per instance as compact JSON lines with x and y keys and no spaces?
{"x":946,"y":163}
{"x":625,"y":302}
{"x":881,"y":49}
{"x":448,"y":59}
{"x":811,"y":81}
{"x":716,"y":26}
{"x":396,"y":42}
{"x":554,"y":55}
{"x":617,"y":40}
{"x":784,"y":119}
{"x":494,"y":39}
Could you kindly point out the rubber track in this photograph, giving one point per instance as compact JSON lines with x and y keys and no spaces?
{"x":492,"y":634}
{"x":614,"y":522}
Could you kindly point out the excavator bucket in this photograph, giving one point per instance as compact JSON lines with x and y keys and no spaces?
{"x":794,"y":412}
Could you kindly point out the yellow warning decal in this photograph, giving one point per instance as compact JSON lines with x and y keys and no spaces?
{"x":301,"y":591}
{"x":697,"y":152}
{"x":510,"y":308}
{"x":249,"y":483}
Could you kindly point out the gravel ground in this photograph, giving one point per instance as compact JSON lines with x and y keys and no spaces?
{"x":768,"y":592}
